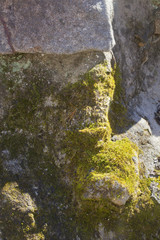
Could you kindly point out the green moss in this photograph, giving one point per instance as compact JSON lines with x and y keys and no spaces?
{"x":104,"y":82}
{"x":93,"y":157}
{"x":90,"y":150}
{"x":85,"y":99}
{"x":118,"y":115}
{"x":115,"y":160}
{"x":96,"y":157}
{"x":78,"y":122}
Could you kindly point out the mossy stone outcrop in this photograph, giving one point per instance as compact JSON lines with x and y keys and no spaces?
{"x":64,"y":172}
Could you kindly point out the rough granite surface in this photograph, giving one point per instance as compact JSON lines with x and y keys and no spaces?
{"x":63,"y":26}
{"x":139,"y":62}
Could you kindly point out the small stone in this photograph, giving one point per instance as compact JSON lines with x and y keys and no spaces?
{"x":107,"y":190}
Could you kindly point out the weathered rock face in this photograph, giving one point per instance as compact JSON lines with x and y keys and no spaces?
{"x":56,"y":149}
{"x":32,"y":141}
{"x":141,"y":75}
{"x":71,"y":154}
{"x":64,"y":26}
{"x":55,"y":141}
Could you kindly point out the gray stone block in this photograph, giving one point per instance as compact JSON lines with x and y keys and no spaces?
{"x":61,"y":27}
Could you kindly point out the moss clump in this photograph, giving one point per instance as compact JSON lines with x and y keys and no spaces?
{"x":93,"y":156}
{"x":96,"y":157}
{"x":104,"y":82}
{"x":115,"y":160}
{"x":87,"y":101}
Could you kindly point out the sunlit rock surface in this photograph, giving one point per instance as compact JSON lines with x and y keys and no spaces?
{"x":64,"y":26}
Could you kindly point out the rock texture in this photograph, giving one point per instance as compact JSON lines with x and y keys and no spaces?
{"x":79,"y":140}
{"x":140,"y":73}
{"x":33,"y":152}
{"x":62,"y":27}
{"x":103,"y":189}
{"x":17,"y":213}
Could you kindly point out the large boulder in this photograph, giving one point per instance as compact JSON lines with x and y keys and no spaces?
{"x":61,"y":27}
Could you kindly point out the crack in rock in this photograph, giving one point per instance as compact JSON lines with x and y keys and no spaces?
{"x":7,"y":34}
